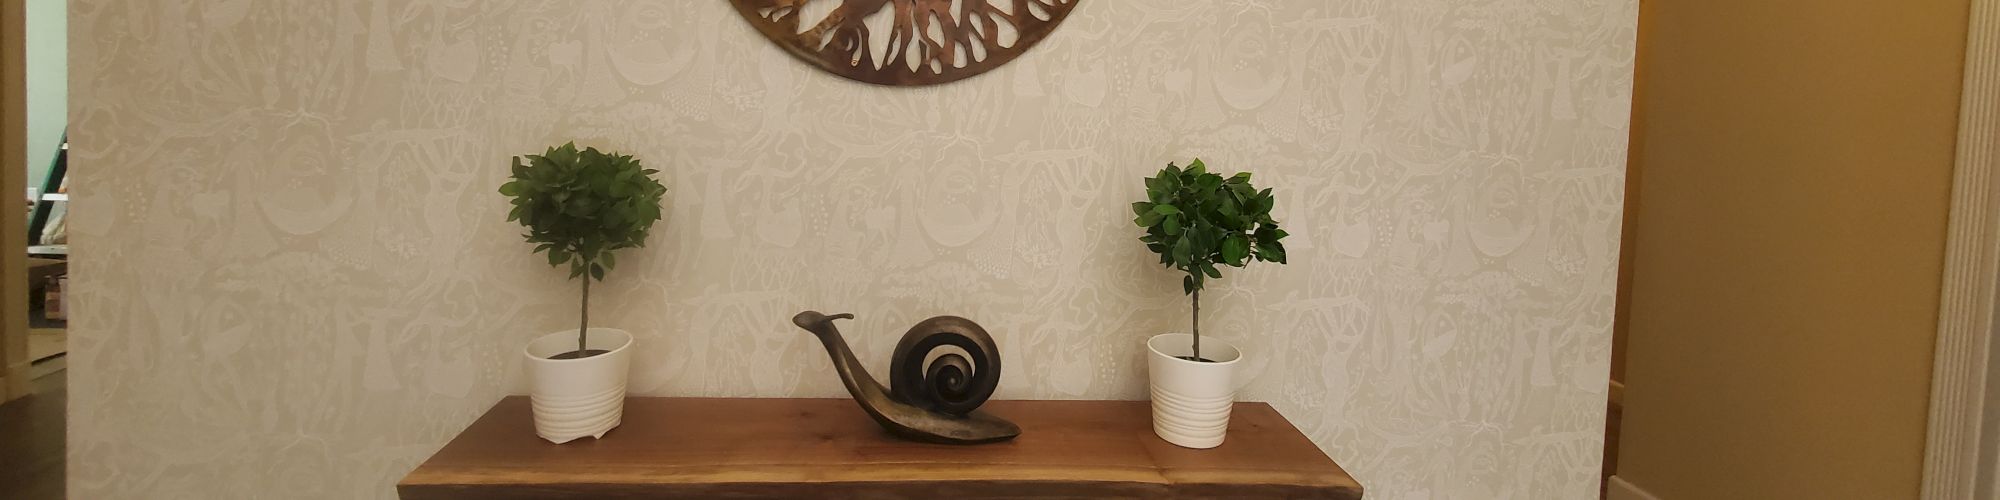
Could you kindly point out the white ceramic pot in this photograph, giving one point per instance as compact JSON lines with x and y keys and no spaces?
{"x":1191,"y":400}
{"x":574,"y":398}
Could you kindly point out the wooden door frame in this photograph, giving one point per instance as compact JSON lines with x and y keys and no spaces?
{"x":1959,"y":453}
{"x":14,"y":362}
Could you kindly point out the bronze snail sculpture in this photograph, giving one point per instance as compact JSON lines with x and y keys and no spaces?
{"x":935,"y":402}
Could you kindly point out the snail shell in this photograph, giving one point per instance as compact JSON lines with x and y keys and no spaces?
{"x":950,"y":383}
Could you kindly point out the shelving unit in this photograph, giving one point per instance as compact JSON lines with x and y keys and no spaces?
{"x":828,"y":448}
{"x":45,"y":206}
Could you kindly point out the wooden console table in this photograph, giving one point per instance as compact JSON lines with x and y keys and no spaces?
{"x":821,"y":448}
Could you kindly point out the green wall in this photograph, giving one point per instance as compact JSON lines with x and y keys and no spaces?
{"x":48,"y":83}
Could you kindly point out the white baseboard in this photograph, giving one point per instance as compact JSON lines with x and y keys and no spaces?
{"x":1619,"y":489}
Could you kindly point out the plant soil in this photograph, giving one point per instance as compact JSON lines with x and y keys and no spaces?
{"x":1196,"y":359}
{"x":579,"y":354}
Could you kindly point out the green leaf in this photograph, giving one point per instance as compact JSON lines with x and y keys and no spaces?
{"x":1208,"y":182}
{"x":1171,"y":225}
{"x":1140,"y":208}
{"x":1242,"y":191}
{"x":1166,"y":209}
{"x":557,"y":256}
{"x":1271,"y":252}
{"x":1235,"y":249}
{"x":1188,"y":285}
{"x":597,"y":272}
{"x":1182,"y":250}
{"x":1148,"y":219}
{"x":1263,"y":202}
{"x":1209,"y":269}
{"x":1197,"y":167}
{"x":607,"y":260}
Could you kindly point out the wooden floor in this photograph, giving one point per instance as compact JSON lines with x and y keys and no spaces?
{"x":31,"y":441}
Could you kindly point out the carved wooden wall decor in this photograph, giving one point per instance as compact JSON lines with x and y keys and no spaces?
{"x":905,"y":42}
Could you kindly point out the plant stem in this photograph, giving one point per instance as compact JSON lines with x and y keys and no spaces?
{"x":583,"y":329}
{"x":1197,"y":324}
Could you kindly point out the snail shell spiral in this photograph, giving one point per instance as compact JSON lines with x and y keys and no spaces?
{"x":949,"y":383}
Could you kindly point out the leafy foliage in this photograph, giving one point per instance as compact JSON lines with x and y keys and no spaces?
{"x":580,"y":206}
{"x":1197,"y":220}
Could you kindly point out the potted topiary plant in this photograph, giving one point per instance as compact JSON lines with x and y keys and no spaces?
{"x":580,"y":207}
{"x":1196,"y":221}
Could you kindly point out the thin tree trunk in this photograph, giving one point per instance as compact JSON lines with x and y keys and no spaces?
{"x":583,"y":329}
{"x":1197,"y":324}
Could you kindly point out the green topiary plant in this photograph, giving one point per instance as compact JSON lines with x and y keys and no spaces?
{"x":1196,"y":220}
{"x":579,"y":207}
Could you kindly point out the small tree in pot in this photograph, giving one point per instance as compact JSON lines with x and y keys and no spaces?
{"x":1195,"y":221}
{"x":580,"y":208}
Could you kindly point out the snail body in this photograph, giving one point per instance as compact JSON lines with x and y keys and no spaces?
{"x":930,"y":398}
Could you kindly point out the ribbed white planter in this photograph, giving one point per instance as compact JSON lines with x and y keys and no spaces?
{"x":574,"y":398}
{"x":1191,"y":400}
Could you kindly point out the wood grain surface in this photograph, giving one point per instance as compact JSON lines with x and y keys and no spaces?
{"x":826,"y":448}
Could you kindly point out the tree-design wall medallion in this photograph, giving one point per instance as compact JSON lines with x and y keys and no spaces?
{"x":905,"y":42}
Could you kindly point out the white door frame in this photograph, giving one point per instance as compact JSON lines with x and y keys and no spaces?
{"x":1959,"y":453}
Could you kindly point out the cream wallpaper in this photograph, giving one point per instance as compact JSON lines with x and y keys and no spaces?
{"x":293,"y":276}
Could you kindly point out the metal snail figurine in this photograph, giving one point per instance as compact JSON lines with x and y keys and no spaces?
{"x":935,"y":402}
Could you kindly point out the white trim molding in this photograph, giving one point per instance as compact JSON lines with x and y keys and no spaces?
{"x":1620,"y":489}
{"x":1954,"y":466}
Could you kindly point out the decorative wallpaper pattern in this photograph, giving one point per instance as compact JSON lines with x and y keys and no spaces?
{"x":293,"y":276}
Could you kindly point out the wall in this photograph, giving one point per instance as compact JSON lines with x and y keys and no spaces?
{"x":48,"y":84}
{"x":14,"y":362}
{"x":1797,"y":169}
{"x":293,"y":273}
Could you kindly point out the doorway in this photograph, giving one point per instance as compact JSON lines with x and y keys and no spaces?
{"x":33,"y":247}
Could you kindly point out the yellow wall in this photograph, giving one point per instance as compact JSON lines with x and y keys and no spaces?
{"x":13,"y":224}
{"x":1797,"y":162}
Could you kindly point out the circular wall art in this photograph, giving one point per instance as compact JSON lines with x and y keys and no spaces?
{"x":905,"y":42}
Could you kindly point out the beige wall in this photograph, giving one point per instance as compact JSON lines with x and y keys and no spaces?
{"x":1796,"y":167}
{"x":294,"y":276}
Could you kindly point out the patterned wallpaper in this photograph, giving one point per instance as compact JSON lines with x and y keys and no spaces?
{"x":293,"y":276}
